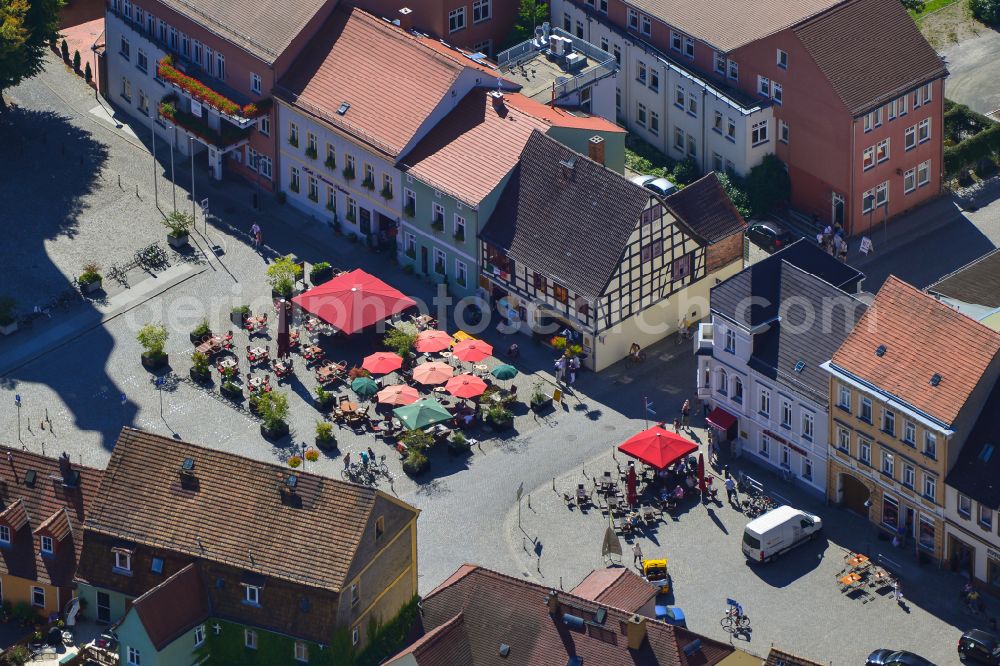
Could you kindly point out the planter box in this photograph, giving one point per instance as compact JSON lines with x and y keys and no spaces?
{"x":201,"y":378}
{"x":411,"y":471}
{"x":238,"y":318}
{"x":177,"y":242}
{"x":323,"y":406}
{"x":319,"y":277}
{"x":234,"y":395}
{"x":543,"y":406}
{"x":196,"y":339}
{"x":326,"y":444}
{"x":91,"y":287}
{"x":277,"y":433}
{"x":8,"y":329}
{"x":278,"y":295}
{"x":155,"y":362}
{"x":500,"y":426}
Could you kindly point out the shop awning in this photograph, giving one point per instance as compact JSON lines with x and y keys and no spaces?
{"x":721,"y":419}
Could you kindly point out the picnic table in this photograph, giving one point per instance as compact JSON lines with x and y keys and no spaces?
{"x":858,"y":561}
{"x":850,"y":581}
{"x":348,"y":407}
{"x":227,"y":363}
{"x":312,"y":351}
{"x":257,"y":382}
{"x":327,"y":373}
{"x":213,"y":345}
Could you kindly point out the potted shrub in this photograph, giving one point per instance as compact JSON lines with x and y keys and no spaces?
{"x":273,"y":410}
{"x":325,"y":439}
{"x":179,"y":226}
{"x":282,"y":274}
{"x":558,"y":343}
{"x":320,"y":273}
{"x":312,"y":455}
{"x":8,"y":322}
{"x":410,"y":209}
{"x":458,"y":444}
{"x":324,"y":399}
{"x":230,"y":389}
{"x":90,"y":279}
{"x":499,"y":417}
{"x":311,"y":152}
{"x":386,"y":192}
{"x":199,"y":332}
{"x":415,"y":463}
{"x":401,"y":342}
{"x":540,"y":401}
{"x":153,"y":338}
{"x":239,"y":314}
{"x":356,"y":372}
{"x":200,"y":371}
{"x":294,"y":462}
{"x":331,"y":162}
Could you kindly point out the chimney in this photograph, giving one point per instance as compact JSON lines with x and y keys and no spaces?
{"x":595,"y":149}
{"x":552,"y":600}
{"x":635,"y":631}
{"x":498,"y":102}
{"x":404,"y":19}
{"x":70,"y":477}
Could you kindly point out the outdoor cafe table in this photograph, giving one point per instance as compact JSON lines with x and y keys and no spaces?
{"x":210,"y":346}
{"x":347,"y":406}
{"x":313,"y":351}
{"x":257,"y":382}
{"x":850,"y":579}
{"x":259,"y":352}
{"x":858,"y":561}
{"x":482,"y":367}
{"x":325,"y":373}
{"x":228,"y":362}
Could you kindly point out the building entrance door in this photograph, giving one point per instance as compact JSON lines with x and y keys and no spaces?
{"x":854,"y":494}
{"x":837,"y":214}
{"x":963,"y":556}
{"x":423,"y":260}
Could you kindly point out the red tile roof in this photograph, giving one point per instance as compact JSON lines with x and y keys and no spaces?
{"x":618,"y":587}
{"x":917,"y":331}
{"x":390,"y":79}
{"x":15,"y":515}
{"x":461,"y":56}
{"x":473,"y":148}
{"x":173,"y":607}
{"x":445,"y":645}
{"x":498,"y":609}
{"x":58,"y":525}
{"x":557,"y":117}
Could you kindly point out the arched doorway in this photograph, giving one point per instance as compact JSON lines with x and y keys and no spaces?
{"x":853,"y":494}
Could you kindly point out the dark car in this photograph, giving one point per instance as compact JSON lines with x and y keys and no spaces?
{"x":980,"y":647}
{"x":769,"y":235}
{"x":896,"y":658}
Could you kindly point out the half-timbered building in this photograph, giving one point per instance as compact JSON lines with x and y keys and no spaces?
{"x":574,"y":246}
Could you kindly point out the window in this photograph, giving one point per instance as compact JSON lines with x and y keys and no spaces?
{"x":719,"y":63}
{"x":331,"y":199}
{"x":786,"y":414}
{"x":143,"y":102}
{"x":964,"y":506}
{"x":692,"y":104}
{"x":891,"y":113}
{"x":311,"y":144}
{"x":38,"y":597}
{"x":923,"y":173}
{"x":355,"y":595}
{"x":924,"y":130}
{"x":293,"y":134}
{"x":647,"y":25}
{"x":156,"y":566}
{"x":882,"y":194}
{"x":209,"y":61}
{"x":126,"y":89}
{"x":369,"y":175}
{"x":560,"y":293}
{"x":807,"y":426}
{"x":763,"y":447}
{"x":730,"y":341}
{"x":641,"y":73}
{"x":901,"y":106}
{"x":679,"y":96}
{"x":640,"y":114}
{"x":930,"y":445}
{"x":689,"y":47}
{"x":461,"y":273}
{"x":123,"y":560}
{"x":878,"y":116}
{"x":265,"y":167}
{"x":386,"y":190}
{"x":868,"y":158}
{"x":909,"y":432}
{"x":481,"y":10}
{"x":868,"y":201}
{"x":294,"y":183}
{"x":723,"y":386}
{"x":411,"y":244}
{"x":681,"y":266}
{"x":731,"y":129}
{"x":782,"y":131}
{"x":654,"y":123}
{"x":865,"y":451}
{"x":866,"y":410}
{"x":633,"y":19}
{"x":456,"y":19}
{"x":844,"y":397}
{"x":250,"y":639}
{"x":758,"y":132}
{"x":930,"y":487}
{"x":717,"y":162}
{"x":807,"y":469}
{"x":909,"y":181}
{"x":301,"y":651}
{"x":539,"y":281}
{"x":785,"y":455}
{"x":616,"y":51}
{"x":908,"y":475}
{"x":888,"y":464}
{"x":602,"y":6}
{"x":125,"y":49}
{"x":46,"y":545}
{"x":251,"y":595}
{"x":355,"y":637}
{"x":255,"y":83}
{"x":776,"y":92}
{"x":927,"y":93}
{"x":910,"y":137}
{"x":764,"y":402}
{"x":882,"y":151}
{"x":782,"y":59}
{"x":141,"y":60}
{"x":679,"y":139}
{"x":717,"y":122}
{"x":604,"y":44}
{"x":4,"y":534}
{"x":985,"y":517}
{"x":264,"y":125}
{"x":439,"y":261}
{"x":197,"y":51}
{"x":654,"y":80}
{"x":185,"y":46}
{"x":890,"y":512}
{"x":734,"y":70}
{"x":869,"y":121}
{"x":738,"y":390}
{"x":844,"y":440}
{"x":172,"y":38}
{"x":199,"y":635}
{"x":889,"y":422}
{"x":352,"y":209}
{"x":692,"y":146}
{"x":313,"y":188}
{"x":133,"y":657}
{"x":763,"y":86}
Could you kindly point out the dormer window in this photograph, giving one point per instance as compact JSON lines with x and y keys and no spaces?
{"x":123,"y":560}
{"x":47,"y":546}
{"x":251,"y":595}
{"x":4,"y":535}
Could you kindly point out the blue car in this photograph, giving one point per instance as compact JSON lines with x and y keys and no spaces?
{"x":671,"y":615}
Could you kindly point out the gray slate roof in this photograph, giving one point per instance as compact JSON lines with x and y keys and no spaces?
{"x":706,"y":210}
{"x":977,"y":471}
{"x":977,"y":282}
{"x":264,"y":28}
{"x":569,"y":223}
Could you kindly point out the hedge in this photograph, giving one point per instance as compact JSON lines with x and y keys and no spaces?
{"x":968,"y":153}
{"x":961,"y":122}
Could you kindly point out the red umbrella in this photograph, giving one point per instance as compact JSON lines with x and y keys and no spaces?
{"x":381,"y":363}
{"x":630,"y":493}
{"x":465,"y":386}
{"x":657,"y":447}
{"x":399,"y":394}
{"x":353,"y":301}
{"x":433,"y":373}
{"x":433,"y":341}
{"x":472,"y":351}
{"x":701,"y":474}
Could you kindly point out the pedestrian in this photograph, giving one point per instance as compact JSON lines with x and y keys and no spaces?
{"x":574,"y":365}
{"x":636,"y":555}
{"x":843,"y":251}
{"x":347,"y":460}
{"x":731,"y":490}
{"x":371,"y":455}
{"x":364,"y":459}
{"x":513,"y":351}
{"x":256,"y":233}
{"x":686,"y":414}
{"x":677,"y":425}
{"x":897,"y":592}
{"x":560,"y":366}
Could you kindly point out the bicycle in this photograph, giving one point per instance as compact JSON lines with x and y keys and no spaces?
{"x":635,"y":358}
{"x":735,"y":621}
{"x":117,"y":274}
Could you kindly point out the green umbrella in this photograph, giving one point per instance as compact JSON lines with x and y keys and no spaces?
{"x":421,"y":414}
{"x":365,"y":387}
{"x":504,"y":371}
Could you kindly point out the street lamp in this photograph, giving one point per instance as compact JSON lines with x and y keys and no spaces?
{"x":191,"y":150}
{"x":152,"y":131}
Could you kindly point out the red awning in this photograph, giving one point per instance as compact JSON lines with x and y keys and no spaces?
{"x":721,"y":419}
{"x":658,"y":447}
{"x":353,"y":301}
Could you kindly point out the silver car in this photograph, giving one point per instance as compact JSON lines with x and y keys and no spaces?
{"x":660,"y":186}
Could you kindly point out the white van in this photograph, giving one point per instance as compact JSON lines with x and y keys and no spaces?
{"x":778,"y":530}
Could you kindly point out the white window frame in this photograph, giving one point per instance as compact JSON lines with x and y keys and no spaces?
{"x":461,"y":273}
{"x":764,"y":446}
{"x":910,"y":180}
{"x":355,"y":636}
{"x":786,"y":414}
{"x":868,"y":158}
{"x":924,"y":130}
{"x":633,"y":19}
{"x":781,"y":59}
{"x":47,"y":544}
{"x":910,"y":138}
{"x":909,"y":432}
{"x":985,"y":517}
{"x":930,"y":487}
{"x":654,"y":80}
{"x":5,"y":534}
{"x":35,"y":592}
{"x":764,"y":401}
{"x":923,"y":173}
{"x":869,"y":121}
{"x":888,"y":464}
{"x":783,"y":131}
{"x":251,"y":595}
{"x":731,"y":129}
{"x":123,"y":560}
{"x":759,"y":133}
{"x":264,"y":125}
{"x":645,"y":25}
{"x":730,"y":341}
{"x":763,"y":86}
{"x":964,"y":506}
{"x":199,"y":635}
{"x":844,"y":397}
{"x":882,"y":194}
{"x":844,"y":440}
{"x":250,"y":639}
{"x":734,"y":69}
{"x":777,"y":92}
{"x":692,"y":105}
{"x":255,"y":83}
{"x":689,"y":47}
{"x":889,"y":422}
{"x":909,"y":476}
{"x":808,"y":425}
{"x":865,"y":451}
{"x":882,"y":150}
{"x":654,"y":123}
{"x":640,"y":114}
{"x":134,"y":657}
{"x":301,"y":652}
{"x":719,"y":63}
{"x":482,"y":10}
{"x":930,"y":445}
{"x":456,"y":20}
{"x":459,"y":224}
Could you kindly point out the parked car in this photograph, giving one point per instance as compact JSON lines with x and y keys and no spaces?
{"x":777,"y":531}
{"x":661,"y":186}
{"x":769,"y":235}
{"x":980,"y":647}
{"x":671,"y":615}
{"x":896,"y":658}
{"x":655,"y":572}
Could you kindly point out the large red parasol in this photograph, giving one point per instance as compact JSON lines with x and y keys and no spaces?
{"x":381,"y":363}
{"x":353,"y":301}
{"x":433,"y":341}
{"x":465,"y":386}
{"x":433,"y":373}
{"x":398,"y":394}
{"x":472,"y":351}
{"x":657,"y":447}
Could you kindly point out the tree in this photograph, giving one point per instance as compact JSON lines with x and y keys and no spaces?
{"x":76,"y":61}
{"x":26,"y":26}
{"x":767,"y":185}
{"x":87,"y":73}
{"x":531,"y":13}
{"x":914,"y":5}
{"x":735,"y":193}
{"x":987,"y":11}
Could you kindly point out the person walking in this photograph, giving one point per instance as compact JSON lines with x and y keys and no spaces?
{"x":686,"y":415}
{"x":731,"y":490}
{"x":347,"y":460}
{"x":256,"y":232}
{"x":574,"y":365}
{"x":636,"y":555}
{"x":897,"y":592}
{"x":560,"y":366}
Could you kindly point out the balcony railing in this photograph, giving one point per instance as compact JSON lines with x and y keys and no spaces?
{"x":227,"y":135}
{"x":244,"y":116}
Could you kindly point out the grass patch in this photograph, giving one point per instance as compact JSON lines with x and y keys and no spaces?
{"x":929,"y":7}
